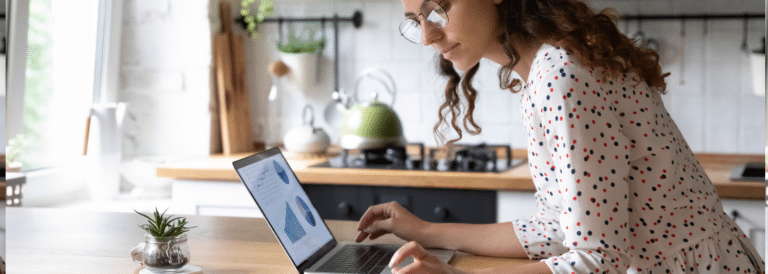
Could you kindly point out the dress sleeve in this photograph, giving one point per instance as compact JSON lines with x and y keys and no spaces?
{"x":590,"y":162}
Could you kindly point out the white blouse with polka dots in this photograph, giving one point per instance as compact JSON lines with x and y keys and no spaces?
{"x":618,"y":190}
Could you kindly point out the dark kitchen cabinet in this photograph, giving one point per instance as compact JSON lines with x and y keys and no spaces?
{"x":339,"y":202}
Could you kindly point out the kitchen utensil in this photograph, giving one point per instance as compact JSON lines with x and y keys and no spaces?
{"x":373,"y":124}
{"x":376,"y":73}
{"x":234,"y":108}
{"x":640,"y":37}
{"x":682,"y":53}
{"x":276,"y":70}
{"x":757,"y":61}
{"x":336,"y":109}
{"x":307,"y":138}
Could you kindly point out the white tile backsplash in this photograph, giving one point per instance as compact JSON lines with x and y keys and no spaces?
{"x":709,"y":90}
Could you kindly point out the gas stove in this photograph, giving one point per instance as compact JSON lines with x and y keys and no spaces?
{"x":458,"y":158}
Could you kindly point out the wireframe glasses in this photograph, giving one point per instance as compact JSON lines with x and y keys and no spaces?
{"x":411,"y":29}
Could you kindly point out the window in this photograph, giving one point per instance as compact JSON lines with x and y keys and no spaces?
{"x":59,"y":81}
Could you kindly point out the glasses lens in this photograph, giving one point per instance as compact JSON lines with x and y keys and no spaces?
{"x":432,"y":12}
{"x":411,"y":30}
{"x":438,"y":18}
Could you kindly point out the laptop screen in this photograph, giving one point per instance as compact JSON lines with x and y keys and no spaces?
{"x":285,"y":205}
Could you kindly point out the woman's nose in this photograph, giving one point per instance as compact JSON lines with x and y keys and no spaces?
{"x":431,"y":32}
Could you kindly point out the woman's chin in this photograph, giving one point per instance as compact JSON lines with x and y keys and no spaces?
{"x":463,"y":65}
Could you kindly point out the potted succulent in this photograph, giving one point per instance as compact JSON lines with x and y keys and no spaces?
{"x":165,"y":245}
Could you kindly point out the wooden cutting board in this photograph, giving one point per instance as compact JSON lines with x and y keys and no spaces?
{"x":231,"y":85}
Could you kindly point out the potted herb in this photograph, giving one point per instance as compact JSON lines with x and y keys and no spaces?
{"x":250,"y":22}
{"x":301,"y":53}
{"x":165,"y":245}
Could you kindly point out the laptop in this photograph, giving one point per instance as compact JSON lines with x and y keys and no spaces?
{"x":298,"y":227}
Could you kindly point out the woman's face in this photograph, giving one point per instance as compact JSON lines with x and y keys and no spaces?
{"x":469,"y":35}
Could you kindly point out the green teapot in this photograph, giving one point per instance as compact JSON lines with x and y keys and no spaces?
{"x":373,"y":124}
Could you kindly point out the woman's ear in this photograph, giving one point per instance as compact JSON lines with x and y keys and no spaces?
{"x":497,"y":2}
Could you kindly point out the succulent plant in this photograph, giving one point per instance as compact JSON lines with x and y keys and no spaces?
{"x":164,"y":227}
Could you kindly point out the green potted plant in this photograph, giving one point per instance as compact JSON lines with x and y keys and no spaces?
{"x":14,"y":149}
{"x":165,"y":245}
{"x":250,"y":22}
{"x":301,"y":54}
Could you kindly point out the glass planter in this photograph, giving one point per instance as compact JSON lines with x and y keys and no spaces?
{"x":164,"y":255}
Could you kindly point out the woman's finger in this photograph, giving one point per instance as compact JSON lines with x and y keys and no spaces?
{"x":380,"y":211}
{"x":361,"y":236}
{"x":411,"y":249}
{"x":415,"y":267}
{"x":377,"y":229}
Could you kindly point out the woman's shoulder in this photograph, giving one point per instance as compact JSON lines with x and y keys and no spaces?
{"x":555,"y":66}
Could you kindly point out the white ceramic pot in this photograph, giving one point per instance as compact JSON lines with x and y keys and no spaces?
{"x":303,"y":73}
{"x":306,"y":138}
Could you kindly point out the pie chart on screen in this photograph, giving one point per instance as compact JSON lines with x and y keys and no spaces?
{"x":304,"y":209}
{"x":281,"y":172}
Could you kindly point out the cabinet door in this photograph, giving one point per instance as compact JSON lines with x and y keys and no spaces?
{"x":336,"y":202}
{"x":454,"y":206}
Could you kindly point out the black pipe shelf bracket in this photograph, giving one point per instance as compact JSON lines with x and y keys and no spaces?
{"x":356,"y":20}
{"x":721,"y":16}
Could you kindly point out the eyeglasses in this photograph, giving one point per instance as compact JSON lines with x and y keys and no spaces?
{"x":411,"y":29}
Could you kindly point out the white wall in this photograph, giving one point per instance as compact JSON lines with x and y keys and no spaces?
{"x":165,"y":61}
{"x":166,"y":58}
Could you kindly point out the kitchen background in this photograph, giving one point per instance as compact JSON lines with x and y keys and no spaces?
{"x":165,"y":68}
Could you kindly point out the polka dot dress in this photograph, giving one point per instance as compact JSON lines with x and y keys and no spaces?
{"x":618,"y":190}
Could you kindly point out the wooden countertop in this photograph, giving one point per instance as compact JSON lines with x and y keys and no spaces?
{"x":43,"y":240}
{"x":718,"y":167}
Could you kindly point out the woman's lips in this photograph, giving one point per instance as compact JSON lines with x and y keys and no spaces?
{"x":447,"y":52}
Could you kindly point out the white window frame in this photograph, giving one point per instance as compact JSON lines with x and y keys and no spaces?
{"x":44,"y":187}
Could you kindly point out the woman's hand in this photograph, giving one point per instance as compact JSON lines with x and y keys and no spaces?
{"x":423,"y":261}
{"x":392,"y":218}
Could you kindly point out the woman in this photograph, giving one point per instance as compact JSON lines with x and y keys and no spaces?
{"x":617,"y":188}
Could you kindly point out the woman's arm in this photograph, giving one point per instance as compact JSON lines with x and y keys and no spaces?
{"x":533,"y":268}
{"x":497,"y":240}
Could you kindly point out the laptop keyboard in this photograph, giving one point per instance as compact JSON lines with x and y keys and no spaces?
{"x":359,"y":259}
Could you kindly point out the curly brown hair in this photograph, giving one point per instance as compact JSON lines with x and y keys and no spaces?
{"x":570,"y":24}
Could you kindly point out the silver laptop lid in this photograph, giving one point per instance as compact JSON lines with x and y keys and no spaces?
{"x":286,"y":207}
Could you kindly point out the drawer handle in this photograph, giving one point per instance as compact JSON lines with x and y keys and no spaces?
{"x":441,"y":213}
{"x":345,"y":209}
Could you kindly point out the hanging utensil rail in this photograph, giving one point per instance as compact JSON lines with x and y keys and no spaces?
{"x":693,"y":16}
{"x":356,"y":19}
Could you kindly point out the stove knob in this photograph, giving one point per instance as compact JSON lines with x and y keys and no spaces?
{"x":432,"y":165}
{"x":470,"y":166}
{"x":453,"y":165}
{"x":441,"y":213}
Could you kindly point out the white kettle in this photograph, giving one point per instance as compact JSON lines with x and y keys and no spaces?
{"x":306,"y":138}
{"x":103,"y":147}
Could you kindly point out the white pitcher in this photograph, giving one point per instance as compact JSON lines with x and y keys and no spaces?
{"x":104,"y":149}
